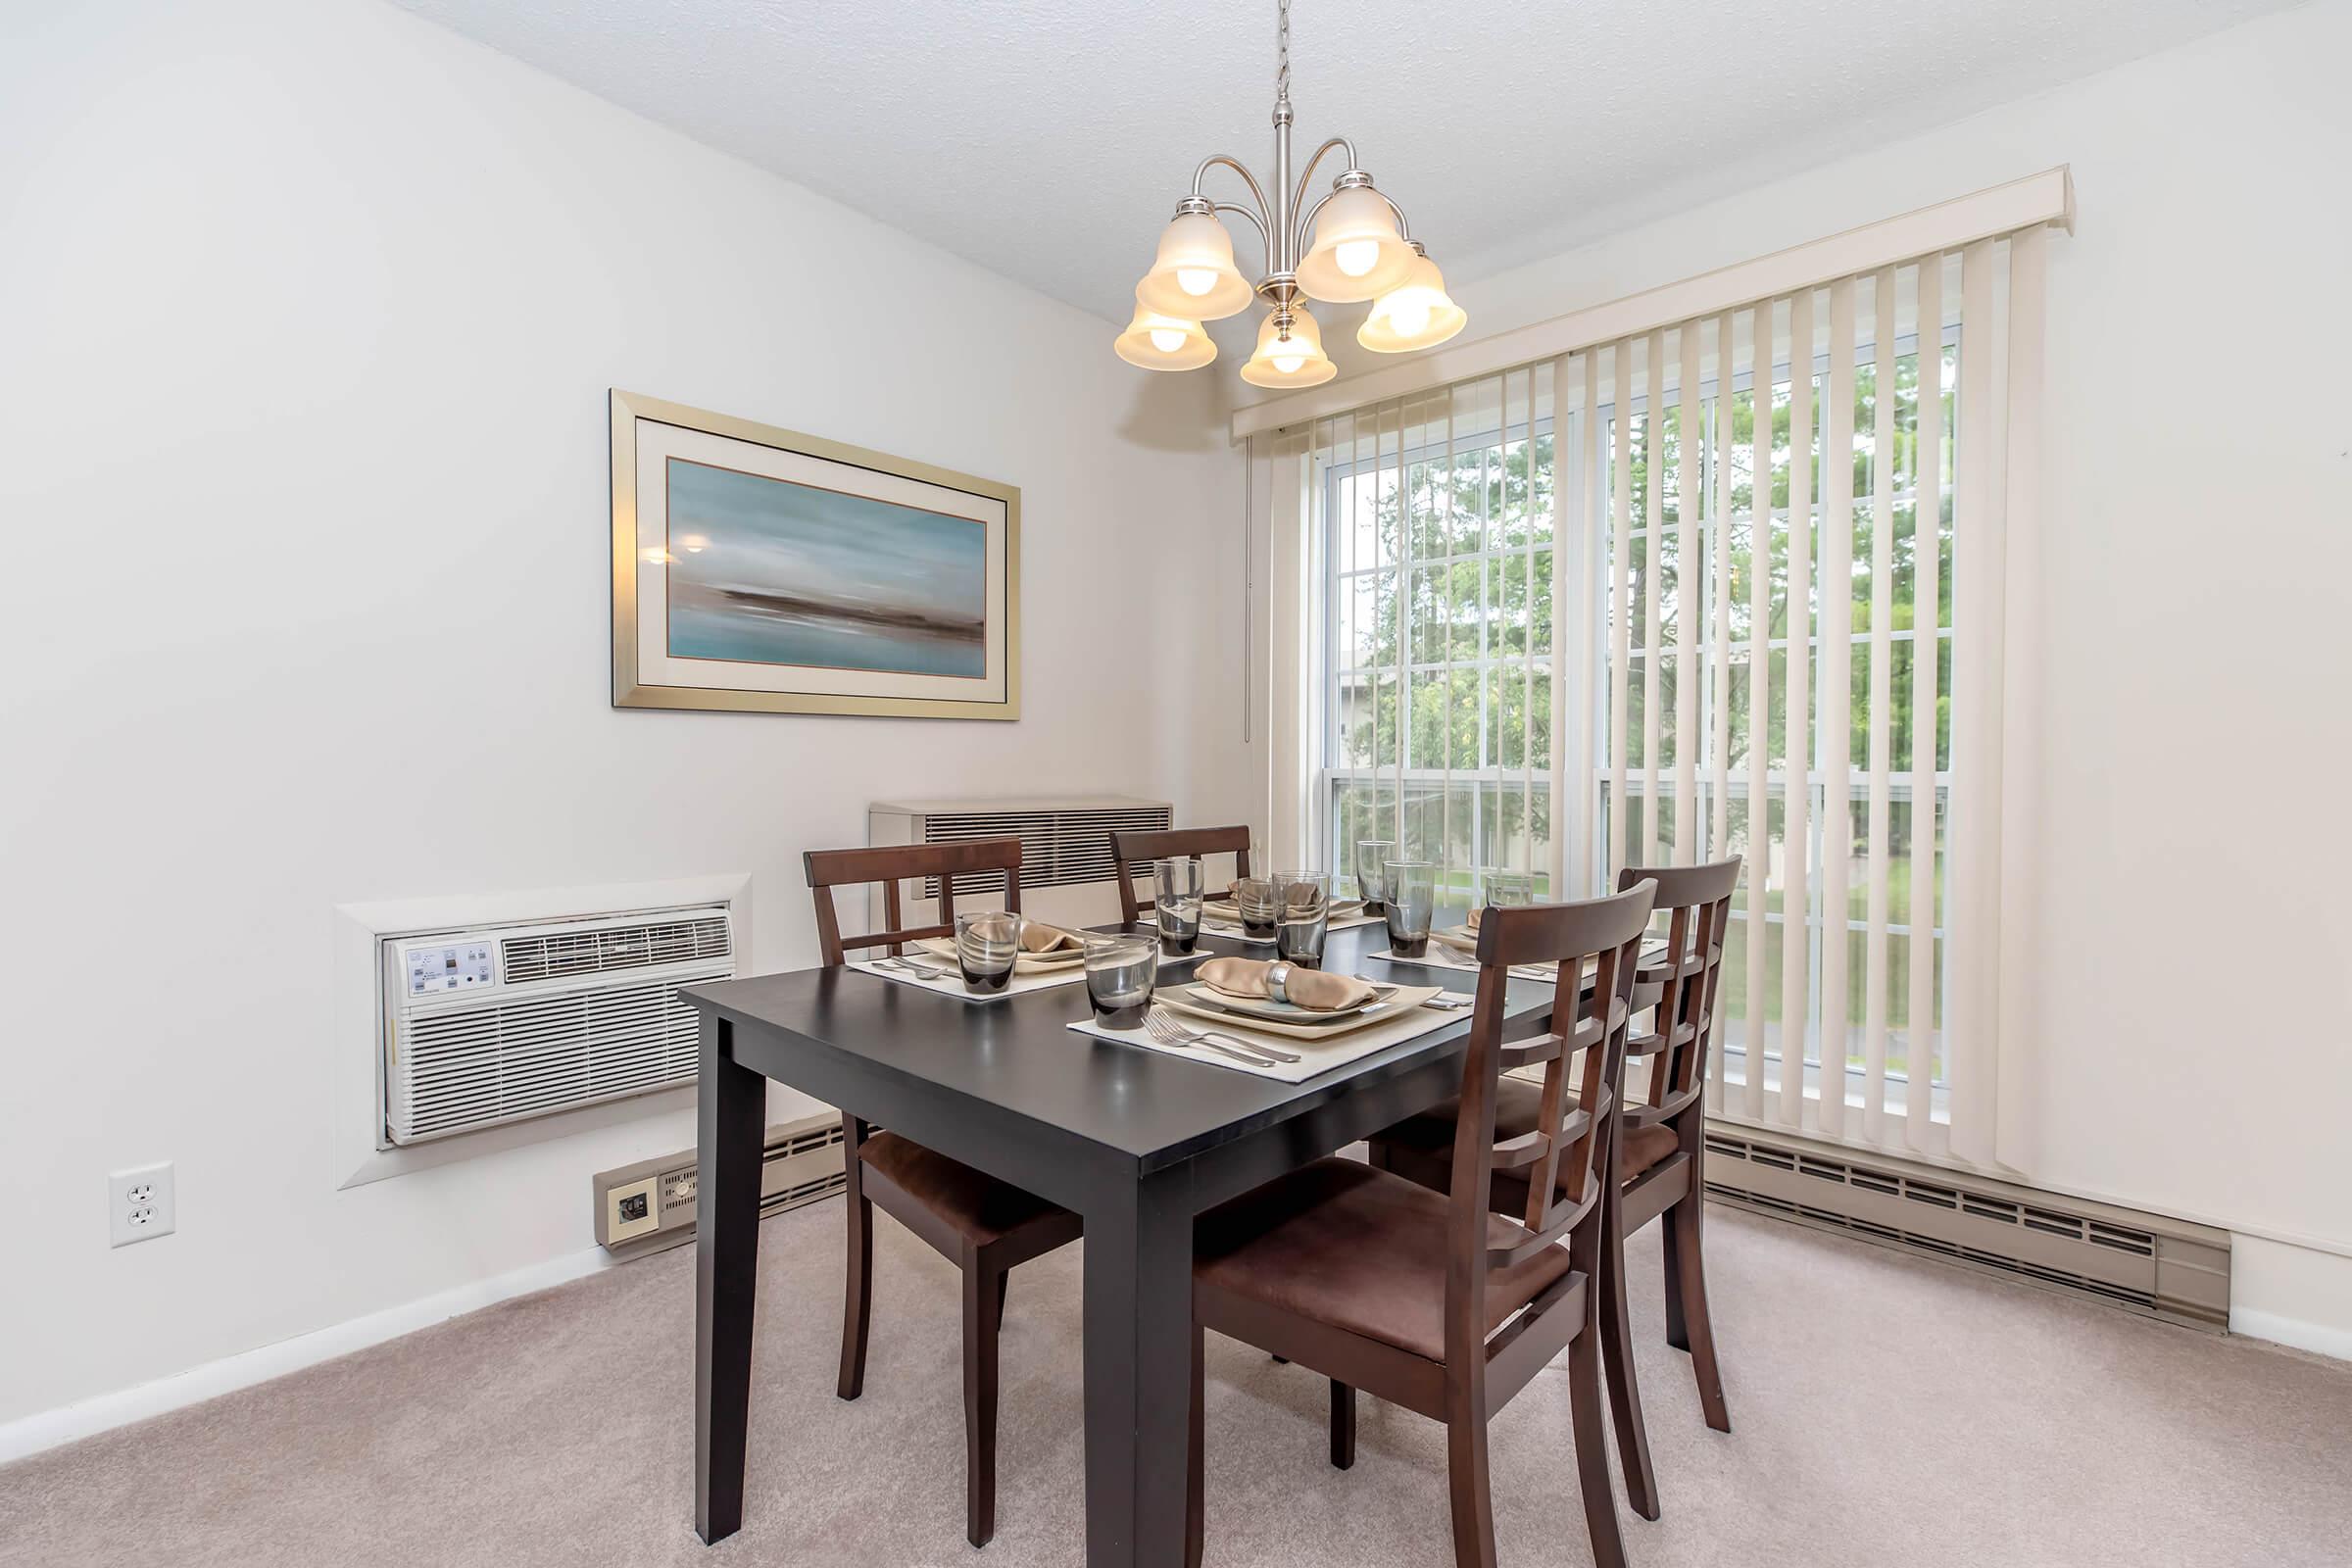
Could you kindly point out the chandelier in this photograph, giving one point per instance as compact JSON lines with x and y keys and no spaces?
{"x":1360,"y":249}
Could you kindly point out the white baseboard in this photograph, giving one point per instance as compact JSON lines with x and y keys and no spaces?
{"x":2289,"y":1294}
{"x":31,"y":1434}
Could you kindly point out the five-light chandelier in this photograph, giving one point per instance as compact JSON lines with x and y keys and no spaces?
{"x":1361,"y":249}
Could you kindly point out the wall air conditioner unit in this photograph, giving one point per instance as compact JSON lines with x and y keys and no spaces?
{"x":1065,"y":851}
{"x":491,"y":1024}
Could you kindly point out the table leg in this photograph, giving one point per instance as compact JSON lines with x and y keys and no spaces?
{"x":728,"y":1148}
{"x":1139,"y":1337}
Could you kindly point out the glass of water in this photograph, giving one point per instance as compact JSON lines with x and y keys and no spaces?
{"x":1121,"y":974}
{"x":1253,"y":902}
{"x":1506,"y":888}
{"x":985,"y":944}
{"x":1372,"y":871}
{"x":1302,"y":914}
{"x":1412,"y":887}
{"x":1178,"y":904}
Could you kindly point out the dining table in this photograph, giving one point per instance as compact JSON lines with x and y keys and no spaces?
{"x":1137,"y":1141}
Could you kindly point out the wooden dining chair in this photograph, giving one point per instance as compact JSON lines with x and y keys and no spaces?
{"x":984,"y":1226}
{"x":1433,"y":1301}
{"x":1660,"y":1152}
{"x":1160,"y":843}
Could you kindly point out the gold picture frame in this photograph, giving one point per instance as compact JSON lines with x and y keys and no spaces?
{"x":933,"y":678}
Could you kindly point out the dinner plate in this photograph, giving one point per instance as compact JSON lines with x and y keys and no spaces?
{"x":1027,"y":963}
{"x":1268,"y":1007}
{"x":1179,"y":998}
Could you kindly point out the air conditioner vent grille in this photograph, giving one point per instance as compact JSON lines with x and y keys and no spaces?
{"x":566,"y":955}
{"x":1060,"y":848}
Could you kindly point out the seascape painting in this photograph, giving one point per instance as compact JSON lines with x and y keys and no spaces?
{"x":766,"y":571}
{"x":763,"y":571}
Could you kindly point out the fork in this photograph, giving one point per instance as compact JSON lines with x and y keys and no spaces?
{"x":1168,"y":1033}
{"x":912,"y":968}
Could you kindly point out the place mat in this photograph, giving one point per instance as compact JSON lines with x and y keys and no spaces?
{"x":1188,"y":1001}
{"x":1315,"y":1056}
{"x":1436,"y":955}
{"x":951,"y":984}
{"x":1231,"y":930}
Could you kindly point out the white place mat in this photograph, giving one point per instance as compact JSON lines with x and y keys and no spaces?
{"x":1315,"y":1056}
{"x":951,"y":983}
{"x":1231,"y":932}
{"x":1437,"y":956}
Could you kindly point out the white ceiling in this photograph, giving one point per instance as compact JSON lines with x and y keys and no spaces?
{"x":1049,"y":140}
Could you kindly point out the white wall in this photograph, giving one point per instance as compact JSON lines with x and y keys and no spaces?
{"x":307,"y":311}
{"x":2191,"y":1047}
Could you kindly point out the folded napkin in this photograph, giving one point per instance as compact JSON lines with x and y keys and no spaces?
{"x":1311,"y":989}
{"x":1037,"y":938}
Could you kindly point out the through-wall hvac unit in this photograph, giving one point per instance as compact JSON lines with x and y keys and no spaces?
{"x":498,"y":1024}
{"x":1065,"y":849}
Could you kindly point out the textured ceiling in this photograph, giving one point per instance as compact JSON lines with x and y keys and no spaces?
{"x":1049,"y":140}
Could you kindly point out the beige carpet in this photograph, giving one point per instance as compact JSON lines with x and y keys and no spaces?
{"x":1886,"y":1411}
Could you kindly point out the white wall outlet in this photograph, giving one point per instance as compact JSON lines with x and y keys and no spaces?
{"x":142,"y":1203}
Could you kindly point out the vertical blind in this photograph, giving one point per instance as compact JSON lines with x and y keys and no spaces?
{"x":1735,"y":585}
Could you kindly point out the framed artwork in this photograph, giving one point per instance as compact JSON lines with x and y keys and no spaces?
{"x":760,"y":571}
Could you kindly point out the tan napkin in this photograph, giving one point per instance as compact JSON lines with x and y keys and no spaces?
{"x":1311,"y":989}
{"x":1037,"y":938}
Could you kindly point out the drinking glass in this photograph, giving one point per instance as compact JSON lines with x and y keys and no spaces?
{"x":1302,"y":914}
{"x":1121,"y":974}
{"x":1509,"y":888}
{"x":987,"y":942}
{"x":1371,"y":871}
{"x":1413,"y":888}
{"x":1178,"y":904}
{"x":1254,"y":900}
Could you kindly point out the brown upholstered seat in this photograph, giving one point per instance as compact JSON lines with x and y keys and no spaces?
{"x":981,"y":1208}
{"x":1341,"y":1244}
{"x":1518,"y":1105}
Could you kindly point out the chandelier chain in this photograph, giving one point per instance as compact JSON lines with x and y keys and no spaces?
{"x":1282,"y":52}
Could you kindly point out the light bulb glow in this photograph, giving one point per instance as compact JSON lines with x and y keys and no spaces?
{"x":1356,"y":257}
{"x":1196,"y":280}
{"x":1409,"y":317}
{"x":1167,"y":339}
{"x":1287,"y":363}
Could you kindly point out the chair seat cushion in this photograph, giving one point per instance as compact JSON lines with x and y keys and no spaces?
{"x":1360,"y":1250}
{"x":1518,"y":1106}
{"x":979,"y":1206}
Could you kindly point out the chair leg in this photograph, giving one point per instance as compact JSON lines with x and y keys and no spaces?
{"x":1592,"y":1456}
{"x":1343,"y":1426}
{"x":980,"y":1322}
{"x":1677,"y":1334}
{"x":1617,"y":1355}
{"x":856,"y":1305}
{"x":1196,"y":1445}
{"x":1471,"y":1496}
{"x":1691,"y":1273}
{"x":1004,"y":1285}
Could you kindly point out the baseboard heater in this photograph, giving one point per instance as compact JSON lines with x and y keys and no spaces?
{"x":2164,"y":1267}
{"x":649,"y":1206}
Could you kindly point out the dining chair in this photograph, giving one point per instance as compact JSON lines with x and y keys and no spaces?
{"x":1660,"y":1152}
{"x":984,"y":1226}
{"x":1160,"y":843}
{"x":1433,"y":1301}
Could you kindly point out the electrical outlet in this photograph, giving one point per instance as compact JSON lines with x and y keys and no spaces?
{"x":142,"y":1203}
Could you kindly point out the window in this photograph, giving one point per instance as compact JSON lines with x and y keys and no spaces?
{"x":1438,"y":710}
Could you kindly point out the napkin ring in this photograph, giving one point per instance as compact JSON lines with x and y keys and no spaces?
{"x":1278,"y":982}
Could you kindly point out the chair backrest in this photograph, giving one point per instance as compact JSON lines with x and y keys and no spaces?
{"x":890,"y":865}
{"x":1688,"y":976}
{"x":1563,"y":1155}
{"x":1168,"y":843}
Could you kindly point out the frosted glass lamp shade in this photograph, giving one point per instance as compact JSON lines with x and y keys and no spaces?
{"x":1357,"y":253}
{"x":1293,"y":360}
{"x":1193,"y":278}
{"x":1159,"y":342}
{"x":1417,"y":313}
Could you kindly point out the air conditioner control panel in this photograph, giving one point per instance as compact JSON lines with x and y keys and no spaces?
{"x":437,"y":969}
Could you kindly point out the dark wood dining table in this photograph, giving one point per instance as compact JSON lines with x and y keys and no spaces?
{"x":1137,"y":1141}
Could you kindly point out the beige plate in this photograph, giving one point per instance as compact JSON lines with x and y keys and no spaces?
{"x":1179,"y":998}
{"x":1027,"y":963}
